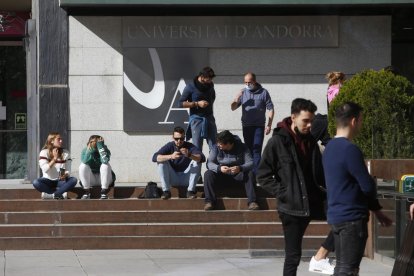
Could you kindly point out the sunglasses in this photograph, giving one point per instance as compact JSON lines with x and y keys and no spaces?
{"x":178,"y":138}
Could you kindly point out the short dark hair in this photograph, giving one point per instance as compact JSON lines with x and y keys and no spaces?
{"x":207,"y":72}
{"x":225,"y":137}
{"x":300,"y":104}
{"x":179,"y":130}
{"x":346,"y":112}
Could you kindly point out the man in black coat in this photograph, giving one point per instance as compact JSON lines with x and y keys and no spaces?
{"x":291,"y":169}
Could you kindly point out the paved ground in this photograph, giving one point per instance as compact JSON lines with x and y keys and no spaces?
{"x":154,"y":262}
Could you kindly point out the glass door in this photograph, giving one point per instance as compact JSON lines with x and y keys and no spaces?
{"x":13,"y":113}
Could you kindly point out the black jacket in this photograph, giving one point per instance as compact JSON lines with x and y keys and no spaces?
{"x":280,"y":173}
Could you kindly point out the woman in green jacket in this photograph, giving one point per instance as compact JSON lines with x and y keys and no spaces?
{"x":95,"y":169}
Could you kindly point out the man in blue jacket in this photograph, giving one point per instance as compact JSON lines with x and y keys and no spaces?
{"x":179,"y":163}
{"x":229,"y":163}
{"x":199,"y":95}
{"x":351,"y":191}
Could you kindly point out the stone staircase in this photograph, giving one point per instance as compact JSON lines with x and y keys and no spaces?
{"x":126,"y":222}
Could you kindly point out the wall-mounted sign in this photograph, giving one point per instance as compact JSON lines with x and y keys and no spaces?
{"x":163,"y":54}
{"x":231,"y":31}
{"x":20,"y":121}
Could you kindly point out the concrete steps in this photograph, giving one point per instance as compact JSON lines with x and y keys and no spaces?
{"x":125,"y":222}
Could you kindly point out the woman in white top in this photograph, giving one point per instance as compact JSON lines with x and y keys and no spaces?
{"x":54,"y":161}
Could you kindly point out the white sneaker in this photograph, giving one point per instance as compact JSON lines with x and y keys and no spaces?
{"x":86,"y":196}
{"x":322,"y":266}
{"x":65,"y":195}
{"x":47,"y":196}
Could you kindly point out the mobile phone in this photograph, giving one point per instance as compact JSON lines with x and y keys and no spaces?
{"x":61,"y":172}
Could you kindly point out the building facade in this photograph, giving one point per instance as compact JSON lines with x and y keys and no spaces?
{"x":117,"y":68}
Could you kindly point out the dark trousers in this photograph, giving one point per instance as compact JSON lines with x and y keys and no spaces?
{"x":293,"y":229}
{"x":329,"y":242}
{"x":253,"y":138}
{"x":213,"y":180}
{"x":350,"y":239}
{"x":54,"y":186}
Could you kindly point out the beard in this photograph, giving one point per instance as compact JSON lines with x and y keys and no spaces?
{"x":297,"y":131}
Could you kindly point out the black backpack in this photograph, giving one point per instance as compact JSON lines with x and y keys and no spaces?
{"x":151,"y":191}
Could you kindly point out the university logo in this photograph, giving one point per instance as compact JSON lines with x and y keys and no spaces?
{"x":154,"y":79}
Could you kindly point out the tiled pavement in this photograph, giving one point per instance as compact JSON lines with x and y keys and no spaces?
{"x":154,"y":262}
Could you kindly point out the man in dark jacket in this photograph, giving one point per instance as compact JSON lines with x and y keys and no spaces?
{"x":179,"y":164}
{"x":199,"y":95}
{"x":291,"y":169}
{"x":229,"y":163}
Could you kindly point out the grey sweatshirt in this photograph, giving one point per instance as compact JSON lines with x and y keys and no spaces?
{"x":254,"y":105}
{"x":239,"y":155}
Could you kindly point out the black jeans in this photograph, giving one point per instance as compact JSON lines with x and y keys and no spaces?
{"x":293,"y":229}
{"x":329,"y":242}
{"x":212,"y":180}
{"x":350,"y":239}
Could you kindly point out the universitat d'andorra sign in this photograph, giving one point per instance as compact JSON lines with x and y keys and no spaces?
{"x":162,"y":54}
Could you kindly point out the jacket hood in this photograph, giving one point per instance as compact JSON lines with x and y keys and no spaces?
{"x":258,"y":89}
{"x":304,"y":143}
{"x":285,"y":124}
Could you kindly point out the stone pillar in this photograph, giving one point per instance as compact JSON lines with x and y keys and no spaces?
{"x":51,"y":103}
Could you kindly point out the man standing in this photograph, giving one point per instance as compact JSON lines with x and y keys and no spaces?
{"x":179,"y":163}
{"x":199,"y":96}
{"x":255,"y":100}
{"x":351,"y":191}
{"x":291,"y":169}
{"x":229,"y":163}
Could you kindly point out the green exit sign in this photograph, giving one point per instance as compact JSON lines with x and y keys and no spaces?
{"x":20,"y":121}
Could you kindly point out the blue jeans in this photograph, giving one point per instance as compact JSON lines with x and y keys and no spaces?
{"x":253,"y":138}
{"x":197,"y":140}
{"x":58,"y":187}
{"x":350,"y":239}
{"x":169,"y":177}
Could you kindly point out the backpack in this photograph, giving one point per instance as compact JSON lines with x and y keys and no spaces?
{"x":151,"y":191}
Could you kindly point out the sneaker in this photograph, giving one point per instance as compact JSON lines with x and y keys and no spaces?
{"x":166,"y":195}
{"x":86,"y":196}
{"x":322,"y":266}
{"x":104,"y":196}
{"x":191,"y":194}
{"x":208,"y":206}
{"x":65,"y":195}
{"x":58,"y":196}
{"x":47,"y":196}
{"x":253,"y":206}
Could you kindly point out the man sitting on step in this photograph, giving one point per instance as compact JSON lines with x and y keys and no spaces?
{"x":229,"y":163}
{"x":179,"y":164}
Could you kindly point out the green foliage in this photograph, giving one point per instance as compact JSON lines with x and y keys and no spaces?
{"x":387,"y":100}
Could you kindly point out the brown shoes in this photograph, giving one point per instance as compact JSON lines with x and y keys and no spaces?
{"x":253,"y":206}
{"x":208,"y":206}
